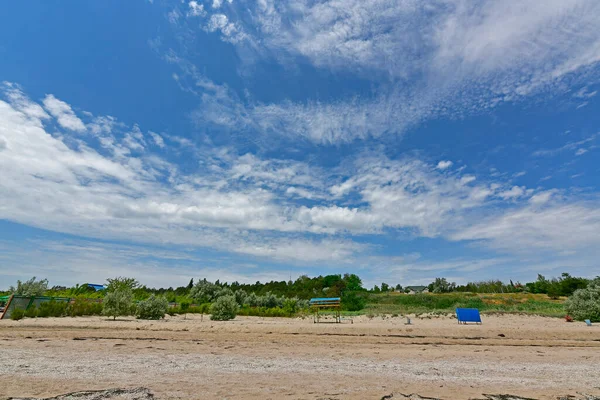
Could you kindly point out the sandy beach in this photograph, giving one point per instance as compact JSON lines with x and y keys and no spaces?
{"x":263,"y":358}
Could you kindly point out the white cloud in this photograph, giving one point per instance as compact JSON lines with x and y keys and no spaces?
{"x":229,"y":30}
{"x":242,"y":204}
{"x":195,"y":10}
{"x":467,"y":179}
{"x":62,"y":261}
{"x":512,"y":193}
{"x":553,"y":228}
{"x":158,"y":140}
{"x":542,"y":197}
{"x":219,"y":3}
{"x":442,"y":165}
{"x":584,"y":94}
{"x":579,"y":145}
{"x":63,"y":113}
{"x":449,"y":58}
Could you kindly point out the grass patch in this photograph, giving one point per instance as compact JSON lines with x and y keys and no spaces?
{"x":446,"y":303}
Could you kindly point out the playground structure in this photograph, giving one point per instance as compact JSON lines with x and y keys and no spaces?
{"x":17,"y":302}
{"x":331,"y":303}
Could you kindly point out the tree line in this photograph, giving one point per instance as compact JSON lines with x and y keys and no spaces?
{"x":334,"y":285}
{"x":125,"y":296}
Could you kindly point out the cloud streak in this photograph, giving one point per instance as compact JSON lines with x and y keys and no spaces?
{"x":426,"y":60}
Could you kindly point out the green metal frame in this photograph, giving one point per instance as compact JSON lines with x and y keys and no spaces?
{"x":32,"y":299}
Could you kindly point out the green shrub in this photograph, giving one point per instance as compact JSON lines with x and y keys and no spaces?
{"x":17,"y":314}
{"x":240,"y":297}
{"x":155,"y":307}
{"x":52,"y":308}
{"x":31,"y":312}
{"x":352,"y":301}
{"x":224,"y":308}
{"x":204,"y":308}
{"x":252,"y":300}
{"x":275,"y":312}
{"x":290,"y":306}
{"x":118,"y":302}
{"x":585,"y":303}
{"x":270,"y":300}
{"x":82,"y":307}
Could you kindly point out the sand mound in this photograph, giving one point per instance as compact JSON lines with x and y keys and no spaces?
{"x":398,"y":396}
{"x":110,"y":394}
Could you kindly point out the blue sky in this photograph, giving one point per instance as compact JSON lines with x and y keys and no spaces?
{"x":258,"y":140}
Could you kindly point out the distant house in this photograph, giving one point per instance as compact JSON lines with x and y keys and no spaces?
{"x":95,"y":287}
{"x":416,"y":289}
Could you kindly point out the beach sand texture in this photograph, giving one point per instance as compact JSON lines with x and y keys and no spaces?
{"x":269,"y":358}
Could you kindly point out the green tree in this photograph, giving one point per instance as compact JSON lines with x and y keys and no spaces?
{"x":32,"y":287}
{"x":118,"y":303}
{"x":441,"y":285}
{"x":204,"y":291}
{"x":353,"y":282}
{"x":385,"y":287}
{"x":154,"y":307}
{"x":240,"y":297}
{"x":585,"y":303}
{"x":121,"y":283}
{"x":224,"y":308}
{"x":569,"y":284}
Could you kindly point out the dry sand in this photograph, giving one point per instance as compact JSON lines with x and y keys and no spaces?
{"x":265,"y":358}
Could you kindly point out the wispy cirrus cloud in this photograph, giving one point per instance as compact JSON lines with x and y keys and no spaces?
{"x":63,"y":113}
{"x":426,"y":60}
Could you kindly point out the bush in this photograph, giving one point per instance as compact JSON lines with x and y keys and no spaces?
{"x":31,"y":312}
{"x":352,"y":301}
{"x":240,"y":297}
{"x":585,"y":303}
{"x":270,"y":300}
{"x":81,"y":307}
{"x":252,"y":300}
{"x":274,"y":312}
{"x":52,"y":309}
{"x":17,"y":314}
{"x":224,"y":308}
{"x":118,"y":303}
{"x":155,"y":307}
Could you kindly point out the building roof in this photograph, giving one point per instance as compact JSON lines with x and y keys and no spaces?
{"x":416,"y":288}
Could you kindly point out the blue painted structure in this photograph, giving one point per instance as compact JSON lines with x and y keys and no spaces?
{"x":465,"y":315}
{"x":325,"y":300}
{"x":95,"y":287}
